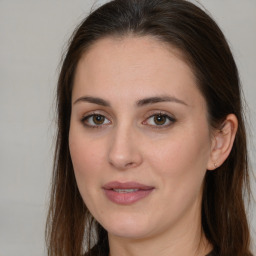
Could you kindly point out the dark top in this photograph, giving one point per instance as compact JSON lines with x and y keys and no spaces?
{"x":212,"y":253}
{"x":105,"y":252}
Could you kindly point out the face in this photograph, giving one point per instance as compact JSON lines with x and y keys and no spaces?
{"x":139,"y":138}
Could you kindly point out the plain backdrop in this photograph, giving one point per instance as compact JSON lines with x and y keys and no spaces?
{"x":33,"y":34}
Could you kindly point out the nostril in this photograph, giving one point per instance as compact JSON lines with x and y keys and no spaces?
{"x":129,"y":164}
{"x":122,"y":165}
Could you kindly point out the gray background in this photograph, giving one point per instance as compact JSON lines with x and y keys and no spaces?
{"x":33,"y":34}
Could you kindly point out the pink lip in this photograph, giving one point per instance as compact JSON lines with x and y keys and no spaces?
{"x":126,"y":198}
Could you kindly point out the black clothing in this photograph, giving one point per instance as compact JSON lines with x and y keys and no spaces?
{"x":96,"y":251}
{"x":212,"y":253}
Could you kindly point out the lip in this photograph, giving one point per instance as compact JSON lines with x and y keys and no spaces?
{"x":126,"y":197}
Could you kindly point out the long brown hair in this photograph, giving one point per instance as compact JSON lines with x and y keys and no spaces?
{"x":71,"y":230}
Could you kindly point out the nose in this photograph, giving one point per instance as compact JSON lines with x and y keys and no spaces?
{"x":124,"y":151}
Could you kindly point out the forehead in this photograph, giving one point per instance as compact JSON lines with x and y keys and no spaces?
{"x":131,"y":65}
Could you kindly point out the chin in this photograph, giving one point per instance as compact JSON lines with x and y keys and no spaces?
{"x":128,"y":233}
{"x":136,"y":228}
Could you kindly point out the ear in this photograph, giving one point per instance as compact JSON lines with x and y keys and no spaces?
{"x":222,"y":142}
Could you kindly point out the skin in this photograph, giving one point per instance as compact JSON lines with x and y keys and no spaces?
{"x":172,"y":157}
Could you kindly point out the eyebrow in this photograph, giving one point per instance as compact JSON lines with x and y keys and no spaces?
{"x":93,"y":100}
{"x":152,"y":100}
{"x":139,"y":103}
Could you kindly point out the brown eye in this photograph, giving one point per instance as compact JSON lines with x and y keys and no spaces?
{"x":98,"y":119}
{"x":95,"y":120}
{"x":160,"y":119}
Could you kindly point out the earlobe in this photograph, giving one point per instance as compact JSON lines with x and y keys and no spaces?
{"x":222,"y":142}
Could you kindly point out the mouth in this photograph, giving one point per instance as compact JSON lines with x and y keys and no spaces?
{"x":126,"y":193}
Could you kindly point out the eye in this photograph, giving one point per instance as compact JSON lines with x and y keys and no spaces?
{"x":95,"y":120}
{"x":160,"y":120}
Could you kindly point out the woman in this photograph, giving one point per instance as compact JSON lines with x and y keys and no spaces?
{"x":151,"y":154}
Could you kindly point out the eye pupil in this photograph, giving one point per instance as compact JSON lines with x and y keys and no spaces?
{"x":160,"y":119}
{"x":98,"y":119}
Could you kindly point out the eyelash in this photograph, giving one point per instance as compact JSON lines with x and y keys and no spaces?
{"x":167,"y":117}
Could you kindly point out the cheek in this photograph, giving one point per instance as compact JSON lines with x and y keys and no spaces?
{"x":181,"y":160}
{"x":181,"y":168}
{"x":87,"y":158}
